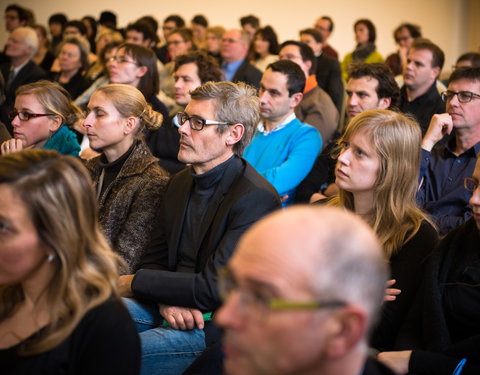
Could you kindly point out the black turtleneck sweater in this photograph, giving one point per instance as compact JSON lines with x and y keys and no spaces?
{"x":203,"y":189}
{"x":113,"y":169}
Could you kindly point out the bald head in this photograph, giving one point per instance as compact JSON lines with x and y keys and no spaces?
{"x":323,"y":257}
{"x":235,"y":44}
{"x":334,"y":251}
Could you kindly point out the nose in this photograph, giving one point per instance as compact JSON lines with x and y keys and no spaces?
{"x":230,"y":314}
{"x":178,"y":84}
{"x":263,"y":96}
{"x":16,"y":121}
{"x":453,"y":102}
{"x":475,"y":198}
{"x":344,"y":157}
{"x":352,"y":100}
{"x":88,"y":120}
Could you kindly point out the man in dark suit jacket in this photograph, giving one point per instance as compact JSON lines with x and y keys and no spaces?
{"x":328,"y":73}
{"x":21,"y":46}
{"x":206,"y":209}
{"x":235,"y":64}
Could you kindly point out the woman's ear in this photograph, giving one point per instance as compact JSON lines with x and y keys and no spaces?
{"x":55,"y":123}
{"x":130,"y":125}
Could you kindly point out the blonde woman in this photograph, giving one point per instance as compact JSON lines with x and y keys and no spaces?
{"x":128,"y":180}
{"x":377,"y":174}
{"x":41,"y":118}
{"x":59,"y":307}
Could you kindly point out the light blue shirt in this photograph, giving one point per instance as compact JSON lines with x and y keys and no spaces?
{"x":229,"y":69}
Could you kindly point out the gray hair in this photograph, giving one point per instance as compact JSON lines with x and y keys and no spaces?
{"x":30,"y":38}
{"x":235,"y":103}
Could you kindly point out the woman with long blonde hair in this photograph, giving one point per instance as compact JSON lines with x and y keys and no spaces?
{"x":59,"y":306}
{"x":377,"y":174}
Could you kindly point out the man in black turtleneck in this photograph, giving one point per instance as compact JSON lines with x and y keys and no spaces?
{"x":207,"y":207}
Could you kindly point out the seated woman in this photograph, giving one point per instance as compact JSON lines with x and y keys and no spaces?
{"x":44,"y":57}
{"x":59,"y":306}
{"x":377,"y":173}
{"x":443,"y":325}
{"x":265,"y":48}
{"x":127,"y":178}
{"x":41,"y":118}
{"x":365,"y":51}
{"x":72,"y":60}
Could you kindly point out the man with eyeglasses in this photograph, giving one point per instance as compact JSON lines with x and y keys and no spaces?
{"x":206,"y":208}
{"x":419,"y":95}
{"x":444,"y":167}
{"x":301,"y":293}
{"x":235,"y":65}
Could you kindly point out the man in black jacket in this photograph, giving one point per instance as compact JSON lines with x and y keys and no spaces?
{"x":206,"y":208}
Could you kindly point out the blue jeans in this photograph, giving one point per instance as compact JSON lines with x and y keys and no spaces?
{"x":164,"y":350}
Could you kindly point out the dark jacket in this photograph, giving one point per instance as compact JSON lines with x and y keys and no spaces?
{"x":329,"y":78}
{"x":128,"y":208}
{"x":249,"y":74}
{"x":241,"y":198}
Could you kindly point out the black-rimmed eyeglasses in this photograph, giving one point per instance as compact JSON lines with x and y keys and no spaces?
{"x":25,"y":116}
{"x":463,"y":96}
{"x":196,"y":122}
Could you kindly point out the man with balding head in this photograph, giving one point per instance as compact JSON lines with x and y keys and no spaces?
{"x":235,"y":65}
{"x":301,"y":294}
{"x":22,"y":44}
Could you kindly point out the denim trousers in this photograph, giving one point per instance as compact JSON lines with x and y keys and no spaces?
{"x":164,"y":350}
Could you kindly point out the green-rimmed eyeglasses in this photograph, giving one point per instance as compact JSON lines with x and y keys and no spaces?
{"x":256,"y":301}
{"x":196,"y":122}
{"x":470,"y":184}
{"x":463,"y":96}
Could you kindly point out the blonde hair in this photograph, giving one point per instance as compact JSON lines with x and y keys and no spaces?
{"x":86,"y":270}
{"x":396,"y":138}
{"x":54,"y":99}
{"x":129,"y":101}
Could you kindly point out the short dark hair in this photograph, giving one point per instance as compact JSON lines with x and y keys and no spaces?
{"x":387,"y":86}
{"x":372,"y":33}
{"x":314,"y":33}
{"x":186,"y":34}
{"x":438,"y":57}
{"x":305,"y":51}
{"x":22,"y":13}
{"x":250,"y":20}
{"x":58,"y":18}
{"x":470,"y":73}
{"x":176,"y":19}
{"x":200,"y":19}
{"x":413,"y":30}
{"x":144,"y":28}
{"x":295,"y":75}
{"x":329,"y":19}
{"x":78,"y":25}
{"x":152,"y":21}
{"x":108,"y":19}
{"x":268,"y":34}
{"x":207,"y":66}
{"x":472,"y":57}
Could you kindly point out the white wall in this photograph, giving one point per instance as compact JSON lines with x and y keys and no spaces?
{"x":445,"y":22}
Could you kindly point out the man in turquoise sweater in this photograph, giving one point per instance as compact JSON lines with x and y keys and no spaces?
{"x":283,"y":148}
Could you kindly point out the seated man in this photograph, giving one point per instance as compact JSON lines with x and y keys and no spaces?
{"x":444,"y":166}
{"x":206,"y":209}
{"x":283,"y":148}
{"x":22,"y":45}
{"x":235,"y":65}
{"x":316,"y":108}
{"x":300,"y":295}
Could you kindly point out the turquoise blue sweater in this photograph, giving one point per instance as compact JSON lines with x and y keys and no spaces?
{"x":64,"y":141}
{"x":285,"y":157}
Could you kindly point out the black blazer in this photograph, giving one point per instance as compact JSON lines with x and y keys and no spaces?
{"x":249,"y":74}
{"x":329,"y":78}
{"x":31,"y":72}
{"x":242,"y":197}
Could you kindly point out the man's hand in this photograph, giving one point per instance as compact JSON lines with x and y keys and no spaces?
{"x":391,"y":293}
{"x":125,"y":286}
{"x":397,"y":361}
{"x":182,"y":318}
{"x":440,"y":125}
{"x":11,"y":145}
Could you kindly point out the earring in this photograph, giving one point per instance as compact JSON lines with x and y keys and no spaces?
{"x":50,"y":257}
